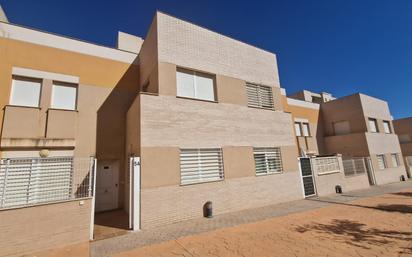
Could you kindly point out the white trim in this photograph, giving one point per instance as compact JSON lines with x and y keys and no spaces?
{"x":46,"y":39}
{"x":301,"y":120}
{"x":44,"y":75}
{"x":283,"y":91}
{"x":93,"y":207}
{"x":303,"y":104}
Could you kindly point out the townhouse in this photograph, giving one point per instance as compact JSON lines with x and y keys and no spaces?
{"x":403,"y":128}
{"x":152,"y":130}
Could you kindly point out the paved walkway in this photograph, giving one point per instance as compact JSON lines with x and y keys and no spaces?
{"x":131,"y":241}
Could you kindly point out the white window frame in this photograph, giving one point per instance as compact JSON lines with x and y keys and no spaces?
{"x":195,"y":75}
{"x":375,"y":125}
{"x":387,"y":127}
{"x":201,"y":165}
{"x":256,"y":96}
{"x":298,"y":129}
{"x":64,"y":84}
{"x":306,"y":133}
{"x":270,"y":154}
{"x":395,"y":160}
{"x":383,"y":161}
{"x":12,"y":100}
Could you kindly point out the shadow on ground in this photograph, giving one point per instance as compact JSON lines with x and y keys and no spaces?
{"x":409,"y":194}
{"x":358,"y":234}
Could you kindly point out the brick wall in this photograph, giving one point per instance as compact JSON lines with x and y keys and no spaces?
{"x":165,"y":205}
{"x":33,"y":229}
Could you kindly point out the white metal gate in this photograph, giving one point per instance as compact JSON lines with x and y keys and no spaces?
{"x":31,"y":181}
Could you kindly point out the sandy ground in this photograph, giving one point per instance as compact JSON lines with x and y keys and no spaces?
{"x":378,"y":226}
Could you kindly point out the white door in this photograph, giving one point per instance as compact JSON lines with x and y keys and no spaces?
{"x":107,"y":185}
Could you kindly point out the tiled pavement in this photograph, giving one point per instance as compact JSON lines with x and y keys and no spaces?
{"x":131,"y":240}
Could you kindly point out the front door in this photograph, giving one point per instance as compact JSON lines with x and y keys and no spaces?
{"x":307,"y":177}
{"x":107,"y":185}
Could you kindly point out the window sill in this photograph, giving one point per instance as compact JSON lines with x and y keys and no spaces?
{"x":262,"y":108}
{"x":65,"y":110}
{"x":201,"y":182}
{"x":328,"y":173}
{"x":268,"y":174}
{"x":197,"y":99}
{"x":355,"y":175}
{"x":23,"y":106}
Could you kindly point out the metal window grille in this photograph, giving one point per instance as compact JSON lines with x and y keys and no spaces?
{"x":259,"y":96}
{"x":31,"y":181}
{"x":395,"y":160}
{"x":354,"y":166}
{"x":381,"y":161}
{"x":201,"y":165}
{"x":323,"y":165}
{"x":267,"y":160}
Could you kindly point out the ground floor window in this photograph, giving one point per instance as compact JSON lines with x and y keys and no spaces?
{"x":201,"y":165}
{"x":381,"y":161}
{"x":268,"y":160}
{"x":395,"y":160}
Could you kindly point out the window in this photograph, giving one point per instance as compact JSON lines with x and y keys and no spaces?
{"x":404,"y":138}
{"x":193,"y":84}
{"x":259,"y":96}
{"x":297,"y":129}
{"x":267,"y":160}
{"x":373,"y":126}
{"x":387,"y":127}
{"x":381,"y":161}
{"x":395,"y":160}
{"x":200,"y":165}
{"x":25,"y":92}
{"x":341,"y":127}
{"x":306,"y":130}
{"x":64,"y":96}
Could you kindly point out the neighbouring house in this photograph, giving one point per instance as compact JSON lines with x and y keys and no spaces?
{"x":403,"y":128}
{"x":360,"y":126}
{"x":63,"y":101}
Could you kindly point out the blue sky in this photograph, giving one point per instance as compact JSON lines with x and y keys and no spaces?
{"x":338,"y":46}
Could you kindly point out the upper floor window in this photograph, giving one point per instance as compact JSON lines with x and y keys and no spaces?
{"x":302,"y":129}
{"x":64,"y":96}
{"x":373,"y":125}
{"x":381,"y":161}
{"x":387,"y":127}
{"x":193,"y":84}
{"x":298,"y":130}
{"x":25,"y":92}
{"x":259,"y":96}
{"x":341,"y":127}
{"x":306,"y":129}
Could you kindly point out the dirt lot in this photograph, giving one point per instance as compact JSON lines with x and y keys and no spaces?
{"x":379,"y":226}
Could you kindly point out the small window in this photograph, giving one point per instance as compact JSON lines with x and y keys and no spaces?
{"x":306,"y":129}
{"x":200,"y":165}
{"x":25,"y":92}
{"x":64,"y":96}
{"x":341,"y":127}
{"x":381,"y":161}
{"x":395,"y":160}
{"x":193,"y":84}
{"x":387,"y":127}
{"x":267,"y":160}
{"x":259,"y":96}
{"x":298,"y":129}
{"x":373,"y":126}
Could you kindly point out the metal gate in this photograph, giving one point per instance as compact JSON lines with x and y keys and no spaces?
{"x":308,"y":181}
